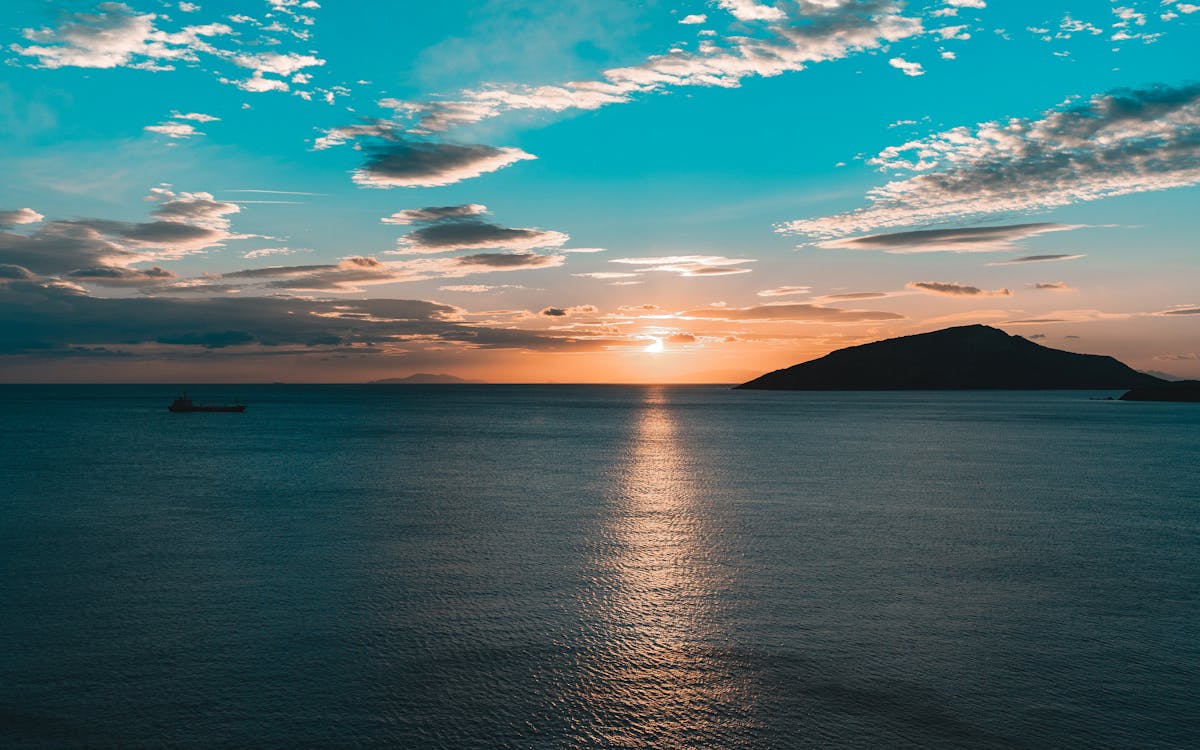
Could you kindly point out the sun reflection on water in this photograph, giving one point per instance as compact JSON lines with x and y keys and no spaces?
{"x":659,"y":672}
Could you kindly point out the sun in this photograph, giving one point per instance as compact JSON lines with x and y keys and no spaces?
{"x":656,"y":347}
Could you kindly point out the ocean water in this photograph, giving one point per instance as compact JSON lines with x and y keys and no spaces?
{"x":597,"y":567}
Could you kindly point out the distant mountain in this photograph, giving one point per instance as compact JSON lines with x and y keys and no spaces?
{"x":424,"y":378}
{"x":1180,"y":390}
{"x":964,"y":357}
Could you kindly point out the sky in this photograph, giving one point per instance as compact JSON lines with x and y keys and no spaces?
{"x":588,"y":190}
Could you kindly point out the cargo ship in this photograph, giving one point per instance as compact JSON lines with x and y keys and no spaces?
{"x":185,"y":404}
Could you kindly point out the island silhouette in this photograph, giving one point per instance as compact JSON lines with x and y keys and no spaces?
{"x":1181,"y":390}
{"x":972,"y":357}
{"x":424,"y":378}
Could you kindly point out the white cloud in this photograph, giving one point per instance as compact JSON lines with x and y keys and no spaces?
{"x":689,"y":265}
{"x":694,"y":18}
{"x":1127,"y":141}
{"x":276,"y":63}
{"x":957,"y":240}
{"x":785,"y":291}
{"x":195,"y":117}
{"x":19,"y":216}
{"x":748,"y":10}
{"x":258,"y":84}
{"x":906,"y":67}
{"x":173,"y":129}
{"x":822,"y":31}
{"x":115,"y":36}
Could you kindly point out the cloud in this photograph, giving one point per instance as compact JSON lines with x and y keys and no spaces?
{"x":962,"y":240}
{"x":447,"y":236}
{"x":258,"y":84}
{"x":267,"y":251}
{"x":689,"y":265}
{"x":1037,"y":259}
{"x":1051,"y":286}
{"x":120,"y":277}
{"x":605,"y":275}
{"x":478,"y":288}
{"x":274,"y":63}
{"x":694,"y":18}
{"x":1126,"y":141}
{"x":906,"y":67}
{"x":856,"y":295}
{"x":347,"y":275}
{"x":432,"y":214}
{"x":115,"y":36}
{"x":956,"y":290}
{"x":502,"y":261}
{"x":1182,"y":310}
{"x":748,"y":10}
{"x":19,"y":216}
{"x":793,"y":312}
{"x":198,"y":209}
{"x":9,"y":272}
{"x":1186,"y":357}
{"x":277,"y":63}
{"x":173,"y":129}
{"x":353,"y":273}
{"x":647,"y":308}
{"x":783,"y":291}
{"x":792,"y":39}
{"x":53,"y":319}
{"x":406,"y":163}
{"x":182,"y":223}
{"x":564,"y":312}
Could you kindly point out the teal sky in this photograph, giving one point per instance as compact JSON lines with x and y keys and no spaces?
{"x":585,"y":190}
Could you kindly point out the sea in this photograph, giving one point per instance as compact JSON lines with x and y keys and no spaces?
{"x":562,"y":566}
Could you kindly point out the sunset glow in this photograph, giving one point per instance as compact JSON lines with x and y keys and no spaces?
{"x":282,"y":192}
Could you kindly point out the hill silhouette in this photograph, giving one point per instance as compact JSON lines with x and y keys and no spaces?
{"x":1182,"y":390}
{"x":961,"y":358}
{"x":424,"y":378}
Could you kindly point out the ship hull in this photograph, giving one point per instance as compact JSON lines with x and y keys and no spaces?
{"x":182,"y":409}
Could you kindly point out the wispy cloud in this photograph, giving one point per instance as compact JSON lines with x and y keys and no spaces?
{"x":354,"y":273}
{"x":961,"y":240}
{"x":690,"y":265}
{"x":794,"y":312}
{"x":1127,"y":141}
{"x":785,"y":38}
{"x":953,"y":289}
{"x":783,"y":291}
{"x":1051,"y":286}
{"x":1038,"y":259}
